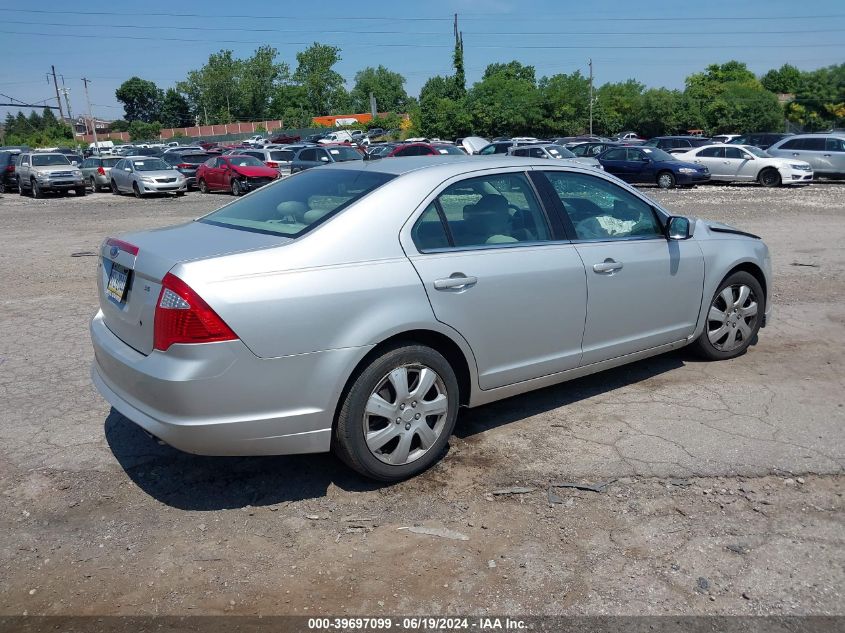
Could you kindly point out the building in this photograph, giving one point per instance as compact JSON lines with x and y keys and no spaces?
{"x":82,"y":126}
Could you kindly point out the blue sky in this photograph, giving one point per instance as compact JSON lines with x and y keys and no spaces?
{"x":413,"y":38}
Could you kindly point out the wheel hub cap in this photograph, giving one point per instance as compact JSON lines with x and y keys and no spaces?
{"x":732,"y":317}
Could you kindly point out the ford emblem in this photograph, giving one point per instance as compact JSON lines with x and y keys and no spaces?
{"x":113,"y":251}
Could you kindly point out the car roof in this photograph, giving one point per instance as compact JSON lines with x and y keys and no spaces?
{"x":818,"y":135}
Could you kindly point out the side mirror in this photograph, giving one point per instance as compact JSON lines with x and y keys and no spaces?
{"x":678,"y":228}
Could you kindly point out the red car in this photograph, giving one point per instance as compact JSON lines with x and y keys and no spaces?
{"x":235,"y":173}
{"x":425,"y":149}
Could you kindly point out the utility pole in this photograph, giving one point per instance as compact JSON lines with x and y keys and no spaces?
{"x":90,"y":116}
{"x":591,"y":96}
{"x":65,"y":92}
{"x":58,"y":98}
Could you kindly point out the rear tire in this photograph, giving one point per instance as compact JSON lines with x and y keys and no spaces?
{"x":769,"y":177}
{"x":391,"y":433}
{"x":666,"y":180}
{"x":93,"y":185}
{"x":733,"y":318}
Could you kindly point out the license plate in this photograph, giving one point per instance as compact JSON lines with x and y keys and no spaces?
{"x":116,"y":287}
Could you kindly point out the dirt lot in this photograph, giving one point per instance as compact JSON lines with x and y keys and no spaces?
{"x":726,"y":479}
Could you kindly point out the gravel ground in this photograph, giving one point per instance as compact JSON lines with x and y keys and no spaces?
{"x":726,"y":480}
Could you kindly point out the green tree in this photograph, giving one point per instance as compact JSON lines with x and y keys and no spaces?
{"x":213,"y":89}
{"x":324,"y":87}
{"x":141,"y":99}
{"x":819,"y":98}
{"x":142,"y":131}
{"x":565,"y":102}
{"x":261,"y":74}
{"x":785,"y":79}
{"x":459,"y":79}
{"x":504,"y":104}
{"x":289,"y":103}
{"x":511,"y":70}
{"x":661,"y":113}
{"x":742,"y":108}
{"x":618,"y":106}
{"x":119,"y":126}
{"x":175,"y":111}
{"x":387,"y":86}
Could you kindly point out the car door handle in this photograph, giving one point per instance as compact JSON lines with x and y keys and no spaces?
{"x":455,"y":282}
{"x":607,"y":266}
{"x":795,"y":154}
{"x":826,"y":155}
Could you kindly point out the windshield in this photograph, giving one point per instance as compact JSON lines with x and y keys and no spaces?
{"x":292,"y":206}
{"x":245,"y":161}
{"x":759,"y":153}
{"x":658,"y":154}
{"x":43,"y":160}
{"x":448,"y":149}
{"x":150,"y":164}
{"x":558,"y":151}
{"x":342,"y":154}
{"x":193,"y":159}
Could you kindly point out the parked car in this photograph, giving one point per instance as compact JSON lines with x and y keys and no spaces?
{"x":8,"y":177}
{"x":724,"y":138}
{"x":679,"y":144}
{"x":38,"y":173}
{"x":824,"y":152}
{"x":763,"y":140}
{"x":97,"y":169}
{"x":629,"y":137}
{"x":309,"y":157}
{"x":424,"y":149}
{"x":501,"y":147}
{"x":592,"y":148}
{"x":285,"y":139}
{"x":186,"y":163}
{"x":554,"y":152}
{"x":746,"y":163}
{"x":380,"y":151}
{"x":646,"y":165}
{"x":234,"y":173}
{"x":356,"y":307}
{"x":472,"y":144}
{"x":144,"y":175}
{"x":279,"y":159}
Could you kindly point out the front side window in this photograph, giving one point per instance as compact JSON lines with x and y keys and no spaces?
{"x":308,"y":155}
{"x":292,"y":206}
{"x":602,"y":210}
{"x":791,"y":144}
{"x":735,"y":152}
{"x":814,"y":144}
{"x":495,"y":209}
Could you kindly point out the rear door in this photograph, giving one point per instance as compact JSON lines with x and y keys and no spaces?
{"x":644,"y":290}
{"x":496,"y":270}
{"x":834,"y":153}
{"x":614,"y":162}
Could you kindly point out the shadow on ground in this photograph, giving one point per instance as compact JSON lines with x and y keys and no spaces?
{"x":193,"y":482}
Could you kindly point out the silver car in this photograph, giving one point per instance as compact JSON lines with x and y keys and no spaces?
{"x":824,"y":152}
{"x":96,"y":171}
{"x":358,"y":306}
{"x":554,"y":152}
{"x":143,"y":175}
{"x":747,"y":163}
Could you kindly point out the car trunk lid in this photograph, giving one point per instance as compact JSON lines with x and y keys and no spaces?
{"x":131,"y":268}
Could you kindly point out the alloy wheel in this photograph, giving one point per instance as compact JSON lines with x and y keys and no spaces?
{"x":405,"y":414}
{"x":732,"y":317}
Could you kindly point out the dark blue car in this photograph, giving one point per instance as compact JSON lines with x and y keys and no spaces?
{"x":651,"y":165}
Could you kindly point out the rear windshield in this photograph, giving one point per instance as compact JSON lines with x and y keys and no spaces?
{"x":285,"y":154}
{"x":194,"y":159}
{"x":292,"y":206}
{"x":42,"y":160}
{"x":110,"y":162}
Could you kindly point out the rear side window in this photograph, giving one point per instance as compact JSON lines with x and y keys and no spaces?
{"x":791,"y":144}
{"x":711,"y":152}
{"x":295,"y":205}
{"x":494,"y":209}
{"x":429,"y":233}
{"x":615,"y":154}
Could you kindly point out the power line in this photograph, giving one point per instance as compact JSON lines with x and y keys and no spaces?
{"x":708,"y":33}
{"x":410,"y":45}
{"x":468,"y":16}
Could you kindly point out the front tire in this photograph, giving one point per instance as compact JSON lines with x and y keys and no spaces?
{"x":135,"y":190}
{"x":666,"y":180}
{"x":733,"y":319}
{"x":114,"y":188}
{"x":35,"y":189}
{"x":769,"y":178}
{"x":79,"y":192}
{"x":236,"y":188}
{"x":397,"y":417}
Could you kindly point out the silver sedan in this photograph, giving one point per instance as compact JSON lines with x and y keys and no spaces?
{"x":357,"y":307}
{"x":142,"y":175}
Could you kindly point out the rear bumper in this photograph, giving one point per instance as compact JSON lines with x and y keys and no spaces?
{"x":219,"y":398}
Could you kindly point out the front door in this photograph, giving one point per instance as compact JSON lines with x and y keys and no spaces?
{"x":494,"y":271}
{"x":644,"y":290}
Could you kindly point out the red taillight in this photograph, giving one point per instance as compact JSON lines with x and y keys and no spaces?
{"x":101,"y":171}
{"x":270,"y":163}
{"x":10,"y":168}
{"x":182,"y":316}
